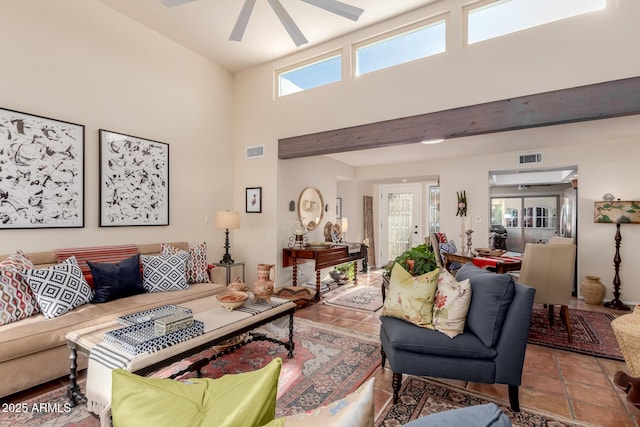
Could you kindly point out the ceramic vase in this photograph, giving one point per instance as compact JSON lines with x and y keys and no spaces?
{"x":627,"y":331}
{"x":238,"y":285}
{"x":263,"y":288}
{"x":592,"y":290}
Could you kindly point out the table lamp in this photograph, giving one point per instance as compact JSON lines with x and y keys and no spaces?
{"x":617,"y":212}
{"x":227,"y":220}
{"x":344,"y":226}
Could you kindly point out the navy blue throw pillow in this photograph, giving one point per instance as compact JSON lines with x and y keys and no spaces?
{"x":116,"y":280}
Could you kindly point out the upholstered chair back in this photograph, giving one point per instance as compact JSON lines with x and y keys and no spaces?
{"x":550,"y":269}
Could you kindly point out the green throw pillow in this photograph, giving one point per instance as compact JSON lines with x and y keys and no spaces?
{"x":247,"y":399}
{"x":411,"y":297}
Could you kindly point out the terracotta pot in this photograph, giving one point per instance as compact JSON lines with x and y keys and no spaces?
{"x":592,"y":290}
{"x":238,"y":285}
{"x":263,"y":288}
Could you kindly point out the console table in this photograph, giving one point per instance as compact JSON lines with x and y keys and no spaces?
{"x":323,"y":258}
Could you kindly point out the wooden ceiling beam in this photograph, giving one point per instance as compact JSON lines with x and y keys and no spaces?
{"x":596,"y":101}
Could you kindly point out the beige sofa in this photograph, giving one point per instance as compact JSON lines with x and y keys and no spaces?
{"x":34,"y":350}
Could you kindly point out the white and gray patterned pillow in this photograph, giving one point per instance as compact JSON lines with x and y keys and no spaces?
{"x":165,"y":272}
{"x":59,"y":288}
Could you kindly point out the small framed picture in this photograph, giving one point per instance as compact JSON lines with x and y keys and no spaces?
{"x":254,"y":200}
{"x":338,"y":207}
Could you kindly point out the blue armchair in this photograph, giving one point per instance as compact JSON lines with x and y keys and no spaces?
{"x":490,"y":350}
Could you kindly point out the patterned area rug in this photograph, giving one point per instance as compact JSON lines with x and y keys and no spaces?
{"x":422,"y":396}
{"x":592,"y":332}
{"x":364,"y":298}
{"x":328,"y":364}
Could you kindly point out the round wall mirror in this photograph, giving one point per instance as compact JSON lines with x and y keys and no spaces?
{"x":310,"y":207}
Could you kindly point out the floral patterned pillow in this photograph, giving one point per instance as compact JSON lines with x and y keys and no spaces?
{"x":355,"y":410}
{"x":411,"y":297}
{"x":451,"y":304}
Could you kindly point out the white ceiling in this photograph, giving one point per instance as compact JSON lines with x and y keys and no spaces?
{"x":204,"y":26}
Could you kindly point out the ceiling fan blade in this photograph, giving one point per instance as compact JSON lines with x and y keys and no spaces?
{"x":291,"y":27}
{"x":337,"y":7}
{"x":172,"y":3}
{"x":241,"y":22}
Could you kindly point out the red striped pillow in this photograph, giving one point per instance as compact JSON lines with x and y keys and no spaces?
{"x":111,"y":254}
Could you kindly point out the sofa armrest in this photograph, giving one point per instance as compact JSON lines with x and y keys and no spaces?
{"x":512,"y":344}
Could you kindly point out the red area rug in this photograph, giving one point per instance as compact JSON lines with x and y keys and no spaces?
{"x":592,"y":332}
{"x":328,"y":364}
{"x":421,"y":396}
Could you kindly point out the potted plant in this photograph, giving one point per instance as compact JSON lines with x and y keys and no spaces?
{"x":343,"y":270}
{"x":417,"y":260}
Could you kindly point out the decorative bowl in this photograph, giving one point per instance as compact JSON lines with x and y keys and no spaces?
{"x":337,"y":275}
{"x":232,"y":299}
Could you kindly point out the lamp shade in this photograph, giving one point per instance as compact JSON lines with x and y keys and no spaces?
{"x":344,"y":226}
{"x":227,"y":219}
{"x":617,"y":212}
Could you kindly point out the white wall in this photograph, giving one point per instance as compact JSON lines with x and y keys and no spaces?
{"x":588,"y":49}
{"x":80,"y":61}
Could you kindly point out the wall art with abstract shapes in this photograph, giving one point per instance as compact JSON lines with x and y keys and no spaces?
{"x":41,"y":172}
{"x":134,"y":181}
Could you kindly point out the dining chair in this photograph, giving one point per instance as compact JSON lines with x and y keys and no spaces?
{"x":550,"y":269}
{"x":557,"y":240}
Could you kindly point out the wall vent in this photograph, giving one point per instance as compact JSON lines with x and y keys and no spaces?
{"x":530,"y":158}
{"x":255,"y":151}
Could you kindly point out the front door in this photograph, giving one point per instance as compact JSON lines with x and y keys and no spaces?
{"x":400,"y":220}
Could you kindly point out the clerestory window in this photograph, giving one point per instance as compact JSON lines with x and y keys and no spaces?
{"x":490,"y":18}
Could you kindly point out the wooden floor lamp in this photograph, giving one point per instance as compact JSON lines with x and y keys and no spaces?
{"x":617,"y":212}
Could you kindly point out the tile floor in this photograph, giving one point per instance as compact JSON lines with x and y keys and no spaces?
{"x":574,"y":386}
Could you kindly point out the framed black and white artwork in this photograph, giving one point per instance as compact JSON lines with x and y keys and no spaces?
{"x":41,"y":172}
{"x":134,"y":180}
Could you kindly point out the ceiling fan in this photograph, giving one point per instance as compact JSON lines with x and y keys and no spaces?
{"x":333,"y":6}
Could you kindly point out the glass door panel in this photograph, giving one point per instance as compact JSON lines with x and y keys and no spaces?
{"x":400,"y":220}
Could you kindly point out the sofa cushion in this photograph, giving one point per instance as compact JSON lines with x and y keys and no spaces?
{"x":36,"y":334}
{"x":411,"y":297}
{"x":355,"y":410}
{"x":451,"y":304}
{"x":164,"y":273}
{"x":16,"y":299}
{"x":116,"y":280}
{"x":197,"y":271}
{"x":408,"y":337}
{"x":246,"y":399}
{"x":59,"y":288}
{"x":491,"y":296}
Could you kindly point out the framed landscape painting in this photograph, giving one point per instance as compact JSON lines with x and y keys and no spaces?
{"x":41,"y":172}
{"x":134,"y":180}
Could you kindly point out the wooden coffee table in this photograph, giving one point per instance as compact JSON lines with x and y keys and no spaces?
{"x":84,"y":340}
